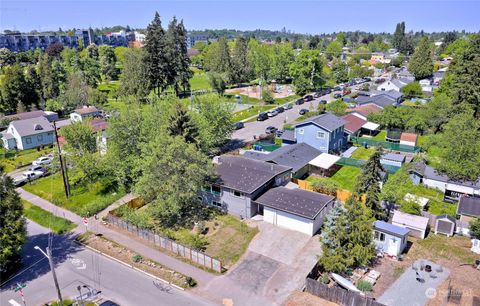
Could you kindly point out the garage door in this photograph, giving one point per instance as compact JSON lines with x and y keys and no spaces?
{"x":287,"y":220}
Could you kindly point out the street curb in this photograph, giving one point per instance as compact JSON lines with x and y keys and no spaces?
{"x":131,"y":266}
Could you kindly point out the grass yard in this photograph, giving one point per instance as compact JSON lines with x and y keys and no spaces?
{"x":109,"y":88}
{"x":199,"y":81}
{"x":362,"y":153}
{"x":346,"y":177}
{"x":436,"y":205}
{"x":46,"y":219}
{"x":380,"y":136}
{"x":241,"y":115}
{"x":84,"y":200}
{"x":12,"y":160}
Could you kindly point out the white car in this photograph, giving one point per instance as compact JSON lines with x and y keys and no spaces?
{"x":44,"y":160}
{"x":28,"y":176}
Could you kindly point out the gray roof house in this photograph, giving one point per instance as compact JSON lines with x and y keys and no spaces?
{"x":392,"y":159}
{"x":28,"y":134}
{"x":381,"y":98}
{"x":324,"y":132}
{"x":468,"y":208}
{"x":240,"y":181}
{"x":296,"y":156}
{"x":295,"y":209}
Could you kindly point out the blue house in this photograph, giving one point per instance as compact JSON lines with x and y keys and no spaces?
{"x":324,"y":132}
{"x":28,"y":134}
{"x":388,"y":238}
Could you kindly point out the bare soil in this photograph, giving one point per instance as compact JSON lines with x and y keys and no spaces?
{"x":299,"y":298}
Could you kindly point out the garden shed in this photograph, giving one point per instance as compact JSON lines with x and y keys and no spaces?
{"x":445,"y":224}
{"x":416,"y":224}
{"x":389,"y":238}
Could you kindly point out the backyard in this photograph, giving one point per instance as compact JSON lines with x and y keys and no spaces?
{"x":346,"y":177}
{"x":85,"y":200}
{"x":46,"y":219}
{"x":362,"y":153}
{"x":12,"y":159}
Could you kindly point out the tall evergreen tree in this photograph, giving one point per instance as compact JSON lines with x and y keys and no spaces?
{"x":13,"y":89}
{"x":12,"y":223}
{"x":421,"y":63}
{"x":241,"y":70}
{"x":156,"y":56}
{"x":184,"y":73}
{"x":399,"y":35}
{"x":181,"y":124}
{"x":108,"y":62}
{"x":134,"y":78}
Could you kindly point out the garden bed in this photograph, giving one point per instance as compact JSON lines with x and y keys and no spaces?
{"x":130,"y":257}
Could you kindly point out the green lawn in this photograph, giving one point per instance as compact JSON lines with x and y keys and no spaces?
{"x":362,"y":153}
{"x":380,"y":136}
{"x":84,"y":200}
{"x":12,"y":159}
{"x":109,"y":88}
{"x":200,"y":81}
{"x":346,"y":177}
{"x":46,"y":219}
{"x":241,"y":115}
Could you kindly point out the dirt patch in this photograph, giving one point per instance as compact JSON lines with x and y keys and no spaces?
{"x":130,"y":257}
{"x":298,"y":298}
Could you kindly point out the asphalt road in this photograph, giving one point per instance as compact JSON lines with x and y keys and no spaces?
{"x":77,"y":266}
{"x":257,"y":128}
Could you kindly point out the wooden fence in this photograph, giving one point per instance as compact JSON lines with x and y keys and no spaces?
{"x":338,"y":295}
{"x":168,"y":244}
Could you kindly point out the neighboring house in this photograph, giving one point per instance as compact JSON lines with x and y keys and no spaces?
{"x":381,"y":100}
{"x":240,"y":181}
{"x":405,"y":74}
{"x":99,"y":126}
{"x":394,"y":84}
{"x":355,"y":125}
{"x":84,"y":112}
{"x":393,"y":159}
{"x":468,"y":208}
{"x":445,"y":225}
{"x":408,"y":139}
{"x":51,"y":116}
{"x":288,"y":137}
{"x":296,"y":209}
{"x":416,"y":224}
{"x":389,"y":238}
{"x":28,"y":134}
{"x":452,"y":189}
{"x":364,"y":110}
{"x":324,"y":132}
{"x":297,"y":156}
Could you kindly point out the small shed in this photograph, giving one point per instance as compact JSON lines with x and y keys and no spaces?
{"x":423,"y":202}
{"x":323,"y":164}
{"x":416,"y":224}
{"x":475,"y":246}
{"x":408,"y":139}
{"x":389,"y":238}
{"x":445,"y":224}
{"x":392,"y":159}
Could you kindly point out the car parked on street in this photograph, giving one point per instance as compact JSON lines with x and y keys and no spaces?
{"x":38,"y":168}
{"x":308,"y":98}
{"x":28,"y":176}
{"x":272,"y":113}
{"x":337,"y":96}
{"x":300,"y":101}
{"x":323,"y":102}
{"x":262,"y":117}
{"x":270,"y":130}
{"x":317,"y":95}
{"x":288,"y":106}
{"x":238,"y":125}
{"x":279,"y":133}
{"x":280,"y":109}
{"x":44,"y":160}
{"x":303,"y":111}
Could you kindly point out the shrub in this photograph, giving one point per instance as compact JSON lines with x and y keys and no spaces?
{"x":364,"y":286}
{"x":325,"y":279}
{"x":198,"y":242}
{"x":325,"y":186}
{"x":137,"y":258}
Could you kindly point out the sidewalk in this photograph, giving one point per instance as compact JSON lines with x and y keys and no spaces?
{"x":96,"y":226}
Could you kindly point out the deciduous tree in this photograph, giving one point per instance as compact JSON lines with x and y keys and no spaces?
{"x":421,"y":63}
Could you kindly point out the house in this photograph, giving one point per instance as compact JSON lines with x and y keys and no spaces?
{"x":84,"y":112}
{"x":297,"y":156}
{"x":468,"y":208}
{"x":416,"y":224}
{"x":355,"y":126}
{"x":405,"y":74}
{"x":324,"y":132}
{"x":296,"y":209}
{"x":408,"y":139}
{"x":394,"y":84}
{"x":381,"y":99}
{"x":420,"y":173}
{"x":389,"y":238}
{"x":393,"y":159}
{"x":240,"y":181}
{"x":445,"y":225}
{"x":362,"y":111}
{"x":28,"y":134}
{"x":51,"y":116}
{"x":99,"y":126}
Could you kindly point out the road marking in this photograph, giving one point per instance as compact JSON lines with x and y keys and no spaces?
{"x":14,"y":303}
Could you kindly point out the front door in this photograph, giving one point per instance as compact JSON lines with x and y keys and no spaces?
{"x":393,"y":246}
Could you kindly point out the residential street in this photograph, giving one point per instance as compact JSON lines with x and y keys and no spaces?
{"x":76,"y":266}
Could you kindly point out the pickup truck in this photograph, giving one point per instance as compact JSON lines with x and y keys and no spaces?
{"x":28,"y":176}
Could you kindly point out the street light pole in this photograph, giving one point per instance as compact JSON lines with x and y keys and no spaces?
{"x":48,"y":254}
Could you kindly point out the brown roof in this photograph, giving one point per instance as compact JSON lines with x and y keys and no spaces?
{"x":98,"y":124}
{"x":354,"y":123}
{"x":86,"y":110}
{"x":366,"y":109}
{"x":411,"y":137}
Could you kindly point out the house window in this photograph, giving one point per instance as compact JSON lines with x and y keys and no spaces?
{"x":301,"y":131}
{"x":379,"y":236}
{"x":320,"y":135}
{"x":28,"y":140}
{"x":217,"y":204}
{"x":40,"y":137}
{"x":237,"y":194}
{"x":215,"y":189}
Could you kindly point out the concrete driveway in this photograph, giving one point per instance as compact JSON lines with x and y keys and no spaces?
{"x":275,"y":264}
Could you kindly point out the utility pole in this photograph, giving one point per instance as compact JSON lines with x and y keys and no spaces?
{"x":62,"y":164}
{"x":52,"y":267}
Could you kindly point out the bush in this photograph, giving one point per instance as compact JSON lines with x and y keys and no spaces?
{"x":198,"y":242}
{"x":137,"y":258}
{"x":364,"y":286}
{"x":325,"y":186}
{"x":267,"y":96}
{"x":325,"y":279}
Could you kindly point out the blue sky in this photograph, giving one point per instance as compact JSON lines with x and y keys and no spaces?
{"x":314,"y":16}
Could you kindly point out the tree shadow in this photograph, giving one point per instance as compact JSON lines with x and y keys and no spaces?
{"x":35,"y":264}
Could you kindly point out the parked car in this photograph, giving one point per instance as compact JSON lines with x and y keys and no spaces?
{"x":262,"y":117}
{"x":337,"y":96}
{"x":347,"y":91}
{"x":270,"y":130}
{"x":280,"y":109}
{"x":44,"y":160}
{"x":27,"y":176}
{"x":272,"y":113}
{"x":38,"y":168}
{"x":323,"y":102}
{"x":303,"y":111}
{"x":317,"y":95}
{"x":308,"y":98}
{"x":338,"y":88}
{"x":238,"y":125}
{"x":300,"y":101}
{"x":279,"y":133}
{"x":288,"y":106}
{"x":367,"y":79}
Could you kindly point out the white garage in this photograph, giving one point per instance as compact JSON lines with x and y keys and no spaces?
{"x":296,"y":209}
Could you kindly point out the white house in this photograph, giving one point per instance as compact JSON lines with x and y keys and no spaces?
{"x":416,"y":224}
{"x":28,"y":134}
{"x":389,"y":238}
{"x":84,"y":112}
{"x":394,"y":84}
{"x":296,"y":209}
